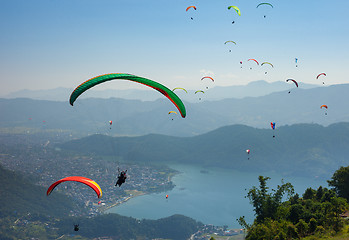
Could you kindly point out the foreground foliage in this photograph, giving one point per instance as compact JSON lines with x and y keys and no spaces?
{"x":314,"y":214}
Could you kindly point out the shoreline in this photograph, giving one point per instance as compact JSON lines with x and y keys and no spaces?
{"x":133,"y":194}
{"x":139,"y":193}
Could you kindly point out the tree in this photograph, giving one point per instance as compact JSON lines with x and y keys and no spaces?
{"x":266,"y":204}
{"x":339,"y":182}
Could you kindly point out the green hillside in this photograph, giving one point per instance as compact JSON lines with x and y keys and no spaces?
{"x":301,"y":149}
{"x":20,"y":196}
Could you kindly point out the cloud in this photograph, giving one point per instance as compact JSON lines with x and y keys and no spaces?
{"x":204,"y":72}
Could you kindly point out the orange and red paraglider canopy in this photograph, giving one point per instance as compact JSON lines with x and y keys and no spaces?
{"x":92,"y":184}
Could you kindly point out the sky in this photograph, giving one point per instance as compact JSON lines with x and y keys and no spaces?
{"x":46,"y":44}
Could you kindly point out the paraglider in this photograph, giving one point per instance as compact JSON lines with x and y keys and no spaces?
{"x":296,"y":61}
{"x":173,"y":113}
{"x":292,"y":81}
{"x":92,"y":184}
{"x":167,"y":196}
{"x":190,"y":8}
{"x":248,"y":153}
{"x":208,"y":78}
{"x":237,"y":11}
{"x":230,"y":42}
{"x":272,"y":124}
{"x":110,"y":123}
{"x":317,"y":77}
{"x":118,"y":76}
{"x":121,"y":178}
{"x":268,"y":64}
{"x":251,"y":59}
{"x":324,"y":106}
{"x":199,"y":91}
{"x":268,"y":4}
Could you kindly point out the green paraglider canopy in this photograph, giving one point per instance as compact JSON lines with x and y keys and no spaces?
{"x":265,"y":4}
{"x":124,"y":76}
{"x":236,"y":9}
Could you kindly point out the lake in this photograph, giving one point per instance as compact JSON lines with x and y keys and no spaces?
{"x":213,"y":197}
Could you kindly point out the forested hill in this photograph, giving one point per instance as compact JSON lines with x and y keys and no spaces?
{"x":19,"y":195}
{"x":300,"y":149}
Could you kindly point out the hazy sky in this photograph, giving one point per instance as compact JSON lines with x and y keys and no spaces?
{"x":60,"y":43}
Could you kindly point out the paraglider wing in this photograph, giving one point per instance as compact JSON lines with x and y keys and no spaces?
{"x":248,"y":151}
{"x":190,"y":7}
{"x":267,"y":63}
{"x":272,"y":125}
{"x":292,"y":81}
{"x":230,"y":41}
{"x":317,"y":77}
{"x":92,"y":184}
{"x":325,"y":106}
{"x":207,"y":77}
{"x":172,"y":112}
{"x":199,"y":91}
{"x":110,"y":122}
{"x":179,"y":88}
{"x":236,"y":9}
{"x":124,"y":76}
{"x":251,"y":59}
{"x":265,"y":4}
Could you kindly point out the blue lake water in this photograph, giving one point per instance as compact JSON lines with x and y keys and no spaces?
{"x":216,"y":197}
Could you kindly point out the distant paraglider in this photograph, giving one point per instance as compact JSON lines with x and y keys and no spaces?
{"x":110,"y":123}
{"x":272,"y":124}
{"x":237,"y":11}
{"x":321,"y":74}
{"x":294,"y":81}
{"x":267,"y":4}
{"x":230,"y":42}
{"x":208,"y":78}
{"x":172,"y":112}
{"x":248,"y":153}
{"x":324,"y":106}
{"x":199,"y":91}
{"x":254,"y":60}
{"x":190,"y":8}
{"x":268,"y":64}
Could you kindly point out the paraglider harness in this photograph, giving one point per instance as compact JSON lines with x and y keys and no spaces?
{"x":121,"y":178}
{"x":76,"y":227}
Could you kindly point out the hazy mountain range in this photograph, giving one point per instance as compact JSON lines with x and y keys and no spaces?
{"x":253,"y":89}
{"x":135,"y":117}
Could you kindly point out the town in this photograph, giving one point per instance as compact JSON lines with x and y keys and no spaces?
{"x":33,"y":155}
